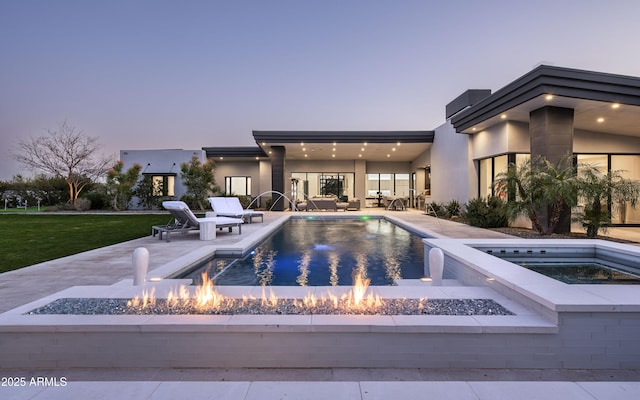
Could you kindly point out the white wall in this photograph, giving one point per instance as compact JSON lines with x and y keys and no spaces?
{"x":508,"y":137}
{"x":490,"y":142}
{"x":375,"y":167}
{"x":161,"y":162}
{"x":451,"y":165}
{"x":318,"y":166}
{"x":599,"y":142}
{"x":518,"y":139}
{"x":238,"y":168}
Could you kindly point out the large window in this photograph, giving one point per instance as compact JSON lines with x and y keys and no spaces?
{"x":237,"y":185}
{"x":490,"y":168}
{"x":486,"y":177}
{"x":629,"y":167}
{"x":305,"y":185}
{"x":388,"y":185}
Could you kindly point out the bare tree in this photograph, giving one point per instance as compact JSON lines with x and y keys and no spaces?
{"x":66,"y":153}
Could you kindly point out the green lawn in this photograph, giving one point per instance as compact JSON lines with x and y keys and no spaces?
{"x":29,"y":239}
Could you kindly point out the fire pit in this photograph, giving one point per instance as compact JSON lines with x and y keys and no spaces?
{"x":208,"y":300}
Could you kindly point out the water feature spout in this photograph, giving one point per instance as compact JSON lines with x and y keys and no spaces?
{"x":140,"y":265}
{"x":280,"y":194}
{"x":436,"y":266}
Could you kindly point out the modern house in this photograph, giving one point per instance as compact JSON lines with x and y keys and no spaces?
{"x":549,"y":111}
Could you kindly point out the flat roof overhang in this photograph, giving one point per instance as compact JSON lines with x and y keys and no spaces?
{"x":236,"y":153}
{"x":347,"y":145}
{"x":602,"y":102}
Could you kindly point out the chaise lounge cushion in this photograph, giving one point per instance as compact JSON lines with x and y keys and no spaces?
{"x":231,"y":207}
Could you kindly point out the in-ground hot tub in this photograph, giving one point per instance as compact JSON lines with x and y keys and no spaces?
{"x":573,"y":265}
{"x":598,"y":324}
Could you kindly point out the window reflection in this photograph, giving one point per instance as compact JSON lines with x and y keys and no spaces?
{"x":303,"y":268}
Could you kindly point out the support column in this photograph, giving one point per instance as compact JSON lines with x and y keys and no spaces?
{"x":360,"y":175}
{"x":277,"y":177}
{"x":551,"y":135}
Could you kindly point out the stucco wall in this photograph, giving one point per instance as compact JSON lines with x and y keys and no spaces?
{"x":451,"y":165}
{"x":508,"y":137}
{"x":161,"y":162}
{"x":598,"y":142}
{"x":238,"y":168}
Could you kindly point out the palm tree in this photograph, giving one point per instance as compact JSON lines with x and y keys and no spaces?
{"x":538,"y":186}
{"x":597,"y":189}
{"x":627,"y":191}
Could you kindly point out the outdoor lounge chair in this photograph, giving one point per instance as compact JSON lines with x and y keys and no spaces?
{"x":184,"y":220}
{"x":231,"y":207}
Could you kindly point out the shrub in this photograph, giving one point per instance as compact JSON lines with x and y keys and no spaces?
{"x":83,"y":204}
{"x":190,"y":201}
{"x":98,"y":201}
{"x":452,"y":209}
{"x":489,"y":213}
{"x":435,"y":209}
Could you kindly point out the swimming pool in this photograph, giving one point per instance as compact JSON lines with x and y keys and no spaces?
{"x":324,"y":252}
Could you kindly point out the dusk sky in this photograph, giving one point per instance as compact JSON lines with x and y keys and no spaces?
{"x":191,"y":74}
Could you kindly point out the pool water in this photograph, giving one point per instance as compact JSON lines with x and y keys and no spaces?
{"x":583,"y":272}
{"x":325,"y":252}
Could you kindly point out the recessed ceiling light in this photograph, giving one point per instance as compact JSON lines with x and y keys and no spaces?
{"x":257,"y":158}
{"x":304,"y":149}
{"x":503,"y":116}
{"x":388,"y":155}
{"x":263,"y":143}
{"x":362,"y":149}
{"x":393,"y":149}
{"x":305,"y":155}
{"x":359,"y":155}
{"x":548,"y":97}
{"x":334,"y":149}
{"x":301,"y":144}
{"x":334,"y":143}
{"x":365,"y":143}
{"x":600,"y":119}
{"x":473,"y":129}
{"x":333,"y":155}
{"x":222,"y":158}
{"x":270,"y":152}
{"x":615,"y":105}
{"x":398,"y":144}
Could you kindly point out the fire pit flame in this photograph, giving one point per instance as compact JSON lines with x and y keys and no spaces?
{"x":207,"y":298}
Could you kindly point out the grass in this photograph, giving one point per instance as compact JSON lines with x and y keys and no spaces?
{"x":29,"y":239}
